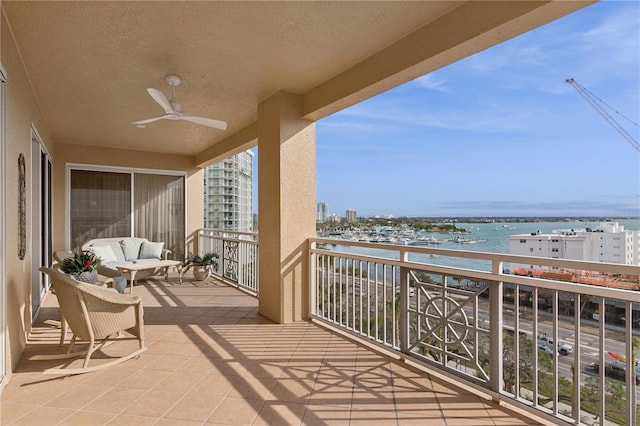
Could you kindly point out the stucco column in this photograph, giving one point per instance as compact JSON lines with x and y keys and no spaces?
{"x":286,"y":203}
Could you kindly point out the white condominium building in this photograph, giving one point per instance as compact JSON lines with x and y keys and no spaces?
{"x":228,"y":193}
{"x":609,"y":243}
{"x":351,"y":215}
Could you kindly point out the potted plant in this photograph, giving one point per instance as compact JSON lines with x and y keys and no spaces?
{"x":202,"y":265}
{"x":82,"y":266}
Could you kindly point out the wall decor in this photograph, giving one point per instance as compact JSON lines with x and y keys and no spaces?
{"x":22,"y":208}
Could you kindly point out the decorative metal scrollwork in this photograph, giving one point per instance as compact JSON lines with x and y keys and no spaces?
{"x":22,"y":208}
{"x":230,"y":254}
{"x":445,"y":320}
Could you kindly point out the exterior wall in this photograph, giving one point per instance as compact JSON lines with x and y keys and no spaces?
{"x":22,"y":113}
{"x":83,"y":154}
{"x":576,"y":249}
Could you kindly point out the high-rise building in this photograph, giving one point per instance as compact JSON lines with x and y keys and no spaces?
{"x":351,"y":215}
{"x":322,"y":212}
{"x":228,"y":193}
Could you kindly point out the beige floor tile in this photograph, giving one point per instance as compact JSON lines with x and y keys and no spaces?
{"x":333,"y":398}
{"x":114,"y":375}
{"x":176,"y":422}
{"x":372,"y":417}
{"x":129,"y":420}
{"x":292,"y":390}
{"x":44,"y":416}
{"x":215,"y":384}
{"x":40,"y":392}
{"x":236,"y":411}
{"x":280,"y":413}
{"x":252,"y":388}
{"x":263,"y":369}
{"x":167,"y":362}
{"x":318,"y":415}
{"x":115,"y":400}
{"x":11,"y":411}
{"x":178,"y":382}
{"x":144,"y":379}
{"x":153,"y":403}
{"x":88,"y":418}
{"x":410,"y":419}
{"x":200,"y":365}
{"x":78,"y":396}
{"x":213,"y":359}
{"x":196,"y":408}
{"x":464,"y":421}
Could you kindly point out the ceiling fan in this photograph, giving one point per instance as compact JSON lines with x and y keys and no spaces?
{"x":173,"y":110}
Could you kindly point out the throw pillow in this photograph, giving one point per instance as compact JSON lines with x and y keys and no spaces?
{"x":116,"y":248}
{"x":105,"y":253}
{"x":131,"y":247}
{"x":150,"y":250}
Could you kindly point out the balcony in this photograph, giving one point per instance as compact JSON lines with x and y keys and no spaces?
{"x":391,"y":338}
{"x":462,"y":322}
{"x":212,"y":359}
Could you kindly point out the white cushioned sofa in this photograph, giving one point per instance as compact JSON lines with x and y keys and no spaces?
{"x":125,"y":251}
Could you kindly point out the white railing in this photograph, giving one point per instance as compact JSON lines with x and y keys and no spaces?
{"x":237,"y":255}
{"x":464,"y":321}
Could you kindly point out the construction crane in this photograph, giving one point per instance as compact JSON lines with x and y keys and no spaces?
{"x":592,"y":101}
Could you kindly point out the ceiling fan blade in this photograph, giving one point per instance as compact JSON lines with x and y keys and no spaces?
{"x":160,"y":98}
{"x":216,"y":124}
{"x":149,"y":120}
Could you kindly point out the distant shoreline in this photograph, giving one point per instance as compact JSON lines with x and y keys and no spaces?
{"x":507,"y":219}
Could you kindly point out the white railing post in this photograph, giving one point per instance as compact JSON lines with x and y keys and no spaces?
{"x":630,"y":368}
{"x":496,"y":327}
{"x":404,"y":304}
{"x":313,"y":298}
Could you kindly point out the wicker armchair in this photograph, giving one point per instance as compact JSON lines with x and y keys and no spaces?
{"x":94,"y":314}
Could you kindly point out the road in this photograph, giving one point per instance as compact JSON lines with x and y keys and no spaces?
{"x":589,"y":343}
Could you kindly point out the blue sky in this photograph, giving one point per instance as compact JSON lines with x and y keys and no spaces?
{"x":499,"y":133}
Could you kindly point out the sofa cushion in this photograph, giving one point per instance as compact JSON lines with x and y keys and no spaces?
{"x":115,"y":248}
{"x":105,"y":253}
{"x":151,"y":250}
{"x":131,"y":247}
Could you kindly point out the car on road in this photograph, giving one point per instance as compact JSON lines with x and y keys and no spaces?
{"x":563,"y":347}
{"x":617,"y":369}
{"x":544,"y":347}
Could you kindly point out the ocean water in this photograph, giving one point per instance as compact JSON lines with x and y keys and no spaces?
{"x":490,"y":237}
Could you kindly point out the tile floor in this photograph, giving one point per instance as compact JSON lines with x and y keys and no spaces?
{"x":212,"y":359}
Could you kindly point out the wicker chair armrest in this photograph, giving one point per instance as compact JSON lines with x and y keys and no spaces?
{"x":165,"y":253}
{"x":109,"y":295}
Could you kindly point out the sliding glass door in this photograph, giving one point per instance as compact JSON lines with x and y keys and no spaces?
{"x":107,"y":204}
{"x":159,"y":210}
{"x":41,"y":221}
{"x":100,"y":206}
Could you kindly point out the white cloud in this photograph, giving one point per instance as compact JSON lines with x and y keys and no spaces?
{"x":430,"y":82}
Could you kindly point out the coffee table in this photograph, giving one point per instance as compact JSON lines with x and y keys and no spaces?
{"x":130,"y":271}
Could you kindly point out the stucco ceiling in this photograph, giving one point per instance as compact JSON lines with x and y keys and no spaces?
{"x":90,"y":63}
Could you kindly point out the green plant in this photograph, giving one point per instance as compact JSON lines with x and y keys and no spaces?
{"x":208,"y":260}
{"x":85,"y":261}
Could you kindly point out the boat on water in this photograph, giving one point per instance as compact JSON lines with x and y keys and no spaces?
{"x":462,"y":240}
{"x":423,"y":241}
